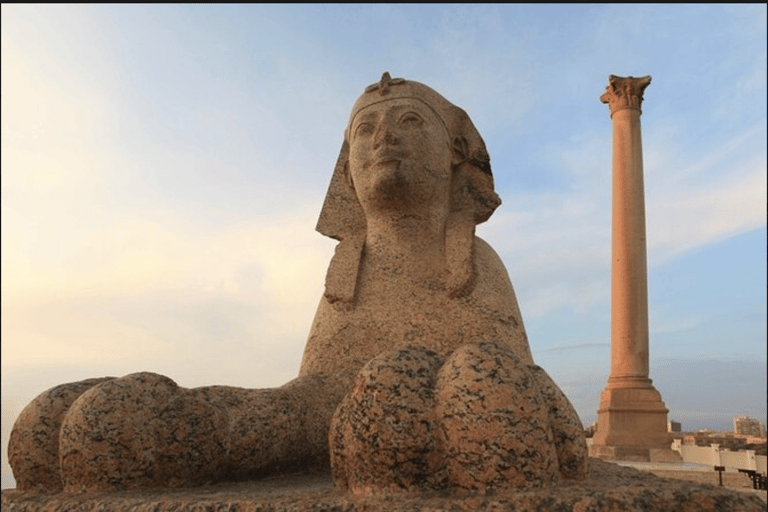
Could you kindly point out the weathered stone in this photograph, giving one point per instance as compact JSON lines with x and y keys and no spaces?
{"x":609,"y":488}
{"x":567,"y":429}
{"x":412,"y":181}
{"x":494,"y":422}
{"x":141,"y":430}
{"x":480,"y":420}
{"x":33,"y":449}
{"x":383,"y":433}
{"x":278,"y":430}
{"x":418,"y":328}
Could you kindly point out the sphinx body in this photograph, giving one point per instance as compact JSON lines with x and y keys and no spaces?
{"x":401,"y":311}
{"x":417,"y":372}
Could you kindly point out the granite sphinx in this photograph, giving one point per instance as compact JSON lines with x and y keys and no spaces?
{"x":417,"y":373}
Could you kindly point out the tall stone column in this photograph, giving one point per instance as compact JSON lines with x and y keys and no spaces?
{"x":632,"y":419}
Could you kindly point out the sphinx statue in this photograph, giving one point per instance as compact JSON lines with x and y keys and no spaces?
{"x":417,"y":373}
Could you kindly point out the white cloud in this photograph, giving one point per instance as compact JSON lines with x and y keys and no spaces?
{"x":558,"y":241}
{"x":720,"y":195}
{"x":133,"y":290}
{"x":670,"y":325}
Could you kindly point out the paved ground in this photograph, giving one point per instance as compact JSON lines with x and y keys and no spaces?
{"x":670,"y":466}
{"x":699,"y":473}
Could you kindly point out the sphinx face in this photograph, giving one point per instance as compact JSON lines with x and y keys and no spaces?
{"x":400,"y":158}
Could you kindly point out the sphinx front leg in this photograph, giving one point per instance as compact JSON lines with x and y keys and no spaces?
{"x":478,"y":420}
{"x":494,"y":421}
{"x":383,"y":433}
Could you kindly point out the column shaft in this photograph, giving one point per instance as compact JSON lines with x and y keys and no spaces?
{"x":629,"y":285}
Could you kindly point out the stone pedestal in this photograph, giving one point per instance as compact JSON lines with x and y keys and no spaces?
{"x":632,"y":424}
{"x":632,"y":419}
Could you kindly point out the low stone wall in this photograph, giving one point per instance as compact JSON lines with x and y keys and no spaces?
{"x":714,"y":456}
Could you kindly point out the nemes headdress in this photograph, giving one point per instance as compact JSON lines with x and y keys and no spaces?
{"x":473,"y":198}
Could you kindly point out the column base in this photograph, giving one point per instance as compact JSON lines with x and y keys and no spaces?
{"x":632,"y":423}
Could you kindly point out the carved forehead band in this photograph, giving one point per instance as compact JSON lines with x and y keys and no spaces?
{"x":389,"y":88}
{"x":437,"y":114}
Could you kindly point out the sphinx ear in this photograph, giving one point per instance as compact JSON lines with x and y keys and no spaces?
{"x":460,"y":149}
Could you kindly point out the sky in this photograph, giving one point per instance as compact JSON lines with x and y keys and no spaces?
{"x":163,"y":168}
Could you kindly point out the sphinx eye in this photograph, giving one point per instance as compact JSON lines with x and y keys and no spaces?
{"x":363,"y":130}
{"x":411,"y":119}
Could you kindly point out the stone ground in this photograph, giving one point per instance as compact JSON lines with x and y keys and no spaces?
{"x":611,"y":487}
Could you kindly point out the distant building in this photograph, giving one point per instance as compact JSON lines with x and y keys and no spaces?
{"x":744,"y":426}
{"x":726,"y":441}
{"x":705,"y":437}
{"x":689,"y":439}
{"x":673,"y":426}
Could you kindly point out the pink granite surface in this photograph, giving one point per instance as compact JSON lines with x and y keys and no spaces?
{"x":610,"y":488}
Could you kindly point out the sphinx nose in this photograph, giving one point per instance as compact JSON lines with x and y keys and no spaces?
{"x":384,"y":135}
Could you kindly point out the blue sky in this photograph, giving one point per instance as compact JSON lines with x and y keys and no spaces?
{"x":163,"y":168}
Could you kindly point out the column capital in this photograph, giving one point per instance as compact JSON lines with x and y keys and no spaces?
{"x":625,"y":92}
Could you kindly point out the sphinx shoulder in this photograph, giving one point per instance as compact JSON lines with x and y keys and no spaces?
{"x":489,"y":266}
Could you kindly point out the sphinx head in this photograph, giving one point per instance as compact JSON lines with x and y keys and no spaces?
{"x":407,"y":148}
